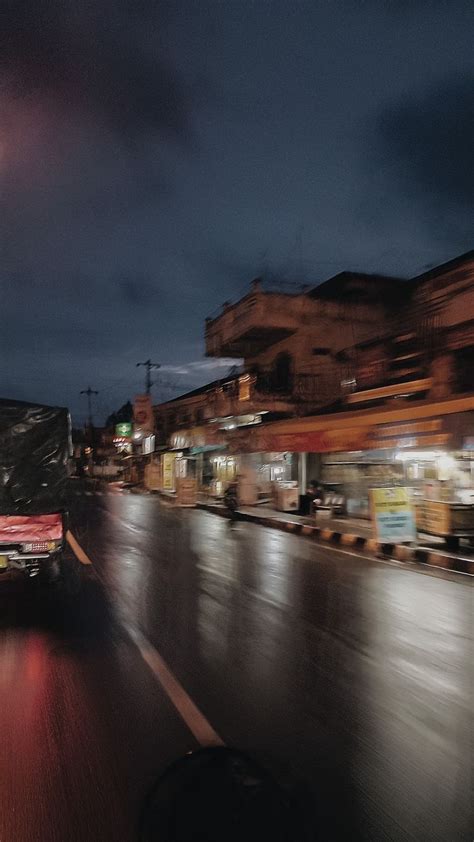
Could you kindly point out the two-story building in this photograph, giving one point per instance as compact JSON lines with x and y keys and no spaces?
{"x":291,"y":344}
{"x":289,"y":350}
{"x":361,"y":380}
{"x":408,"y":407}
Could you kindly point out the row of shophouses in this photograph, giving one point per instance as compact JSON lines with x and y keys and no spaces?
{"x":362,"y":381}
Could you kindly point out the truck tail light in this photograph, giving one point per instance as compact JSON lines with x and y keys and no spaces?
{"x":40,"y":546}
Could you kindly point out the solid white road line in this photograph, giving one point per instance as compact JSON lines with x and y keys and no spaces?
{"x":197,"y":723}
{"x":190,"y":714}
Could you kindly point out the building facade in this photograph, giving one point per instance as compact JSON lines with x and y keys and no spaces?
{"x":343,"y":383}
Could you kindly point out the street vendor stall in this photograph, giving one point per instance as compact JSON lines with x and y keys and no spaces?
{"x":448,"y":519}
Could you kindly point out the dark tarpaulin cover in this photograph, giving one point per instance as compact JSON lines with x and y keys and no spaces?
{"x":34,"y":457}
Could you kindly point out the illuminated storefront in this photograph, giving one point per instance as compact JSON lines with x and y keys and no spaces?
{"x":205,"y":446}
{"x":427,"y":447}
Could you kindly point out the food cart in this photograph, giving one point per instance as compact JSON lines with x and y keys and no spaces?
{"x":449,"y":519}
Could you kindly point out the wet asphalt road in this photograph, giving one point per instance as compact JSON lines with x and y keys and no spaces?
{"x":349,"y":679}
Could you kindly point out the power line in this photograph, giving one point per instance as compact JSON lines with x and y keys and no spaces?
{"x":89,"y":392}
{"x":149,"y":366}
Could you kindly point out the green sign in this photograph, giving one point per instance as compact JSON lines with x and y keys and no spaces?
{"x":124,"y":429}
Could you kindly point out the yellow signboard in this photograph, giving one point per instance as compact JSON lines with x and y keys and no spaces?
{"x":392,"y":515}
{"x":433,"y":516}
{"x":153,"y":477}
{"x":167,"y":460}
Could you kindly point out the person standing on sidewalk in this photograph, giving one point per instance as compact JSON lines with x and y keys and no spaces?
{"x":312,"y":498}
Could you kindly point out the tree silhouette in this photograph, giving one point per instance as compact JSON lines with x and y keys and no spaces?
{"x":124,"y":414}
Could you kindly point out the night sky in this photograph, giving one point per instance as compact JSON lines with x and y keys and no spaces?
{"x":155,"y":157}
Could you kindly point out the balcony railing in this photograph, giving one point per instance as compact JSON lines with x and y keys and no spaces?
{"x":263,"y":392}
{"x":257,"y":320}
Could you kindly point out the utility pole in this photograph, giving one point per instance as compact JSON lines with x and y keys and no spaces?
{"x":89,"y":392}
{"x":149,"y":366}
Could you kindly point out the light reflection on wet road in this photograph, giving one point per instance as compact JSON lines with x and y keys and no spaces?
{"x":351,"y":680}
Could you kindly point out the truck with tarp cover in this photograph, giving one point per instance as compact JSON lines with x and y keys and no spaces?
{"x":35,"y":452}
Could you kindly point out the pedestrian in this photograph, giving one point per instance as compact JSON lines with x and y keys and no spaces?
{"x":315,"y":493}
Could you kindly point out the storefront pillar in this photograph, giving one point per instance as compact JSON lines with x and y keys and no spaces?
{"x":313,"y":467}
{"x":200,"y":470}
{"x":302,"y":473}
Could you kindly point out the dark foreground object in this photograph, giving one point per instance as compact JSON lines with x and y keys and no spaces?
{"x":216,"y":794}
{"x":34,"y":454}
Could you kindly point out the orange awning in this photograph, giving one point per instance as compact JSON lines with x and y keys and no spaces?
{"x":372,"y":417}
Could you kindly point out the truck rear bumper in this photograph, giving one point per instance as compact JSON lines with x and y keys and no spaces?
{"x":29,"y":563}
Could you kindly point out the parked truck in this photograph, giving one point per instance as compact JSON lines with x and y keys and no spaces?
{"x":35,"y":451}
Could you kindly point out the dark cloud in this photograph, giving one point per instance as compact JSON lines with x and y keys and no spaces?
{"x":139,"y":292}
{"x":104,"y":59}
{"x":429,"y":139}
{"x":156,"y":155}
{"x":95,"y":117}
{"x":92,"y":107}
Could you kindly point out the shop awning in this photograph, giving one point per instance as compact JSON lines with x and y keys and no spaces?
{"x":372,"y":417}
{"x":206,"y":448}
{"x":360,"y":430}
{"x":196,"y":437}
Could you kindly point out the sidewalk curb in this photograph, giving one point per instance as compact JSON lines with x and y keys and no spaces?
{"x":400,"y":552}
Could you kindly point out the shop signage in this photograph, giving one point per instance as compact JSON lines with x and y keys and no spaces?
{"x":124,"y":430}
{"x":143,"y":413}
{"x":320,"y":441}
{"x":167,"y":461}
{"x":392,"y":515}
{"x":438,"y":440}
{"x":433,"y":517}
{"x":153,"y":476}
